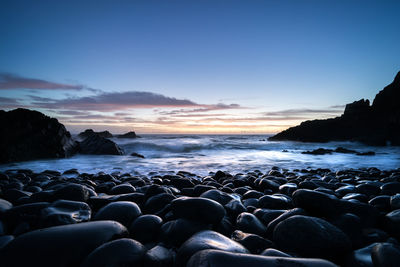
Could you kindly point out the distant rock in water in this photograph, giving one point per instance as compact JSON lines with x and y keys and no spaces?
{"x":134,"y":154}
{"x":376,"y":124}
{"x":97,"y":145}
{"x":89,"y":132}
{"x":342,"y":150}
{"x":28,"y":135}
{"x":128,"y":135}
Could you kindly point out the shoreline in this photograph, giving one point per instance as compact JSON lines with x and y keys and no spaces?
{"x":304,"y":216}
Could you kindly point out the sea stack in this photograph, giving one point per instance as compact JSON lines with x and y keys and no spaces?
{"x":376,"y":124}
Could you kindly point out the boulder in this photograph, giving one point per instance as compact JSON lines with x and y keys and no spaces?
{"x":89,"y":132}
{"x":97,"y":145}
{"x":31,"y":135}
{"x":131,"y":134}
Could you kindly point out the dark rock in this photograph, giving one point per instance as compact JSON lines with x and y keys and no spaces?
{"x":249,"y":223}
{"x":74,"y":192}
{"x":392,"y":223}
{"x":90,"y":132}
{"x":311,"y":237}
{"x":271,"y":252}
{"x":146,"y":228}
{"x":345,"y":150}
{"x":287,"y":214}
{"x":319,"y":151}
{"x":121,"y":252}
{"x":394,"y":202}
{"x":360,"y":257}
{"x":6,"y":205}
{"x":122,"y":189}
{"x":234,"y":208}
{"x":378,"y":124}
{"x":275,"y":202}
{"x":65,"y":245}
{"x":30,"y":135}
{"x":217,"y":195}
{"x":158,"y":202}
{"x":317,"y":203}
{"x":128,"y":135}
{"x":254,"y":243}
{"x":4,"y":240}
{"x":63,"y":212}
{"x":198,"y":209}
{"x":97,"y":145}
{"x":159,"y":256}
{"x":368,"y":153}
{"x":123,"y":212}
{"x":385,"y":255}
{"x":206,"y":240}
{"x":134,"y":154}
{"x":267,"y":215}
{"x":175,"y":232}
{"x":390,"y":188}
{"x":217,"y":258}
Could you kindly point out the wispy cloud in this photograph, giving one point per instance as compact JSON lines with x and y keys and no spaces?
{"x":12,"y":81}
{"x":125,"y":100}
{"x":305,"y":112}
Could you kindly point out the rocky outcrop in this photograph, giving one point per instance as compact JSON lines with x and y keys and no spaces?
{"x":96,"y":145}
{"x":376,"y":124}
{"x":89,"y":132}
{"x":128,"y":135}
{"x":29,"y":135}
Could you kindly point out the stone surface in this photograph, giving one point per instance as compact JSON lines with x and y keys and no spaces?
{"x":97,"y":145}
{"x":65,"y":245}
{"x":123,"y":212}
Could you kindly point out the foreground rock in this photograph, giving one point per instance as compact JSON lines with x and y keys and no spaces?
{"x":29,"y":135}
{"x":216,"y":258}
{"x":65,"y":245}
{"x":378,"y":124}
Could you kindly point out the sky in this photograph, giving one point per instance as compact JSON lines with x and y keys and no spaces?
{"x":209,"y":66}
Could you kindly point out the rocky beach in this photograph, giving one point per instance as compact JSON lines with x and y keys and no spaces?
{"x":280,"y":217}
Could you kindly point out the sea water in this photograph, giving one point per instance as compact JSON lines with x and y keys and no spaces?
{"x":201,"y":154}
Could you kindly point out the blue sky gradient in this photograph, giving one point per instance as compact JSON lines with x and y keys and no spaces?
{"x":260,"y":56}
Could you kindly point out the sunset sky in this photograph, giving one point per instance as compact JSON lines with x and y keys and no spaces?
{"x":194,"y":66}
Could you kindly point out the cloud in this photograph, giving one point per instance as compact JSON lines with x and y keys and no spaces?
{"x":6,"y":100}
{"x":205,"y":108}
{"x":11,"y":81}
{"x":123,"y":100}
{"x":304,"y":112}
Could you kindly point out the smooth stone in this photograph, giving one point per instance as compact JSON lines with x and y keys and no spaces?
{"x":121,"y":252}
{"x":174,"y":233}
{"x":249,"y":223}
{"x":122,"y":189}
{"x":392,"y":223}
{"x":217,"y":195}
{"x":382,"y":202}
{"x":217,"y":258}
{"x":159,"y":256}
{"x":75,"y":192}
{"x":206,"y":240}
{"x":63,"y":212}
{"x":311,"y":237}
{"x":198,"y":209}
{"x":13,"y":195}
{"x":254,"y":243}
{"x":391,"y":188}
{"x":288,"y":188}
{"x":360,"y":257}
{"x":267,"y":215}
{"x":30,"y":214}
{"x":200,"y":189}
{"x":252,"y":194}
{"x":250,"y":202}
{"x":5,"y":205}
{"x":234,"y":208}
{"x":4,"y":240}
{"x":267,"y":184}
{"x":287,"y":214}
{"x":145,"y":228}
{"x":158,"y":202}
{"x":65,"y":245}
{"x":395,"y":202}
{"x":277,"y":202}
{"x":271,"y":252}
{"x":123,"y":212}
{"x":316,"y":203}
{"x":386,"y":255}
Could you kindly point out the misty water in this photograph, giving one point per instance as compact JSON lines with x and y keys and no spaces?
{"x":201,"y":154}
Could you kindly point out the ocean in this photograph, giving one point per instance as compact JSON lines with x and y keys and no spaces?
{"x":202,"y":154}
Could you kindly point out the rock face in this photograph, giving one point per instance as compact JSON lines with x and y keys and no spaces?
{"x":29,"y":135}
{"x":97,"y":145}
{"x":378,"y":124}
{"x":128,"y":135}
{"x":89,"y":132}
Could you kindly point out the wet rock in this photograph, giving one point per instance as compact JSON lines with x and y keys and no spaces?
{"x":4,"y":240}
{"x":158,"y":202}
{"x":271,"y":252}
{"x":385,"y":255}
{"x":4,"y":205}
{"x":206,"y":240}
{"x":217,"y":195}
{"x":311,"y":237}
{"x":287,"y":214}
{"x":198,"y":209}
{"x":63,"y":212}
{"x":391,"y":188}
{"x":275,"y":202}
{"x":121,"y":252}
{"x":65,"y":245}
{"x":175,"y":232}
{"x":146,"y":228}
{"x":319,"y":151}
{"x":122,"y":189}
{"x":123,"y":212}
{"x":249,"y":223}
{"x":254,"y":243}
{"x":137,"y":155}
{"x":90,"y":132}
{"x":74,"y":192}
{"x":159,"y":256}
{"x":316,"y":203}
{"x":392,"y":223}
{"x":394,"y":202}
{"x":97,"y":145}
{"x":234,"y":208}
{"x":130,"y":135}
{"x":217,"y":258}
